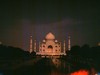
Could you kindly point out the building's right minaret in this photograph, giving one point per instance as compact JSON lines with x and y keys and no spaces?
{"x":69,"y":43}
{"x":34,"y":45}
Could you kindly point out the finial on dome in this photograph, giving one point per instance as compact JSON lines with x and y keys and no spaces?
{"x":50,"y":36}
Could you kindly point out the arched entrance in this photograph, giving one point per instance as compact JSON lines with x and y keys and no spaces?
{"x":50,"y":49}
{"x":50,"y":46}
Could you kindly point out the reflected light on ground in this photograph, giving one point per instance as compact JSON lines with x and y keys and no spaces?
{"x":80,"y":72}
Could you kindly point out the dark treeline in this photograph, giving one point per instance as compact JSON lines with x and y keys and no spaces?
{"x":84,"y":55}
{"x":13,"y":53}
{"x":84,"y":52}
{"x":77,"y":54}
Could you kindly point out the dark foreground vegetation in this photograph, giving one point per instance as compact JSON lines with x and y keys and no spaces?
{"x":84,"y":55}
{"x":13,"y":53}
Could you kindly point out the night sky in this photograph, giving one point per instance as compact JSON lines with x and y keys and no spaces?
{"x":77,"y":18}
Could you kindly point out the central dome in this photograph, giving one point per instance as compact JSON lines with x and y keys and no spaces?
{"x":50,"y":36}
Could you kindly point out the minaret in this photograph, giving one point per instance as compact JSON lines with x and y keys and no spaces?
{"x":30,"y":44}
{"x":69,"y":44}
{"x":64,"y":48}
{"x":35,"y":45}
{"x":39,"y":46}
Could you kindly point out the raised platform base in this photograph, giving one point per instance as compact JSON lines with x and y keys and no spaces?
{"x":50,"y":56}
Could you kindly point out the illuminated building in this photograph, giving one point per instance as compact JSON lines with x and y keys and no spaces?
{"x":50,"y":46}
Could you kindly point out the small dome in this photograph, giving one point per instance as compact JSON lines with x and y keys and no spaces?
{"x":50,"y":36}
{"x":56,"y":40}
{"x":44,"y":41}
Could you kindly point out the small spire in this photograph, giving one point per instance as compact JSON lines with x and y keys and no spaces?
{"x":64,"y":48}
{"x":69,"y":43}
{"x":35,"y":45}
{"x":31,"y":49}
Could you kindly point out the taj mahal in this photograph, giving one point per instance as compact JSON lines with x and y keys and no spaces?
{"x":49,"y":46}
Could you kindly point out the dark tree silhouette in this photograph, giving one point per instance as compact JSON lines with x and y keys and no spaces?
{"x":9,"y":52}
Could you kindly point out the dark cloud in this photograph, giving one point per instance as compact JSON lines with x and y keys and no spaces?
{"x":20,"y":19}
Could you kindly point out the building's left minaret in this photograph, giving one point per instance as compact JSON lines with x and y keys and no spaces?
{"x":31,"y":49}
